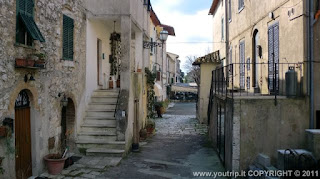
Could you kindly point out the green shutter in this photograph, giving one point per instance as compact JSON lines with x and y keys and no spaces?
{"x":68,"y":26}
{"x":25,"y":17}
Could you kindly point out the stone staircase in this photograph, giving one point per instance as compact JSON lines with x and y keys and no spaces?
{"x":98,"y":135}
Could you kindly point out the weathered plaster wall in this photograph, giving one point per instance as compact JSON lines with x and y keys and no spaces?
{"x":98,"y":29}
{"x":316,"y":68}
{"x":219,"y":42}
{"x":59,"y":76}
{"x":266,"y":128}
{"x":205,"y":85}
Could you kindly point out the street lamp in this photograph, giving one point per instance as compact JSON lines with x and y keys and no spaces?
{"x":163,"y":37}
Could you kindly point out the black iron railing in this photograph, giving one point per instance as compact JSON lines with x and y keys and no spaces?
{"x":259,"y":79}
{"x":117,"y":105}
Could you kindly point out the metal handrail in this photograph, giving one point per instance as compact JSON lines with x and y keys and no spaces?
{"x":117,"y":104}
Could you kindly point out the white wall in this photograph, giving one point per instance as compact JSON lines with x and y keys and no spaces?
{"x":97,"y":29}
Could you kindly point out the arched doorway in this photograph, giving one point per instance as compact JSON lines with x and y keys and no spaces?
{"x":67,"y":126}
{"x":23,"y":136}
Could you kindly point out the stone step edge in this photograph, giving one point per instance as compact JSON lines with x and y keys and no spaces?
{"x":103,"y":150}
{"x":100,"y":142}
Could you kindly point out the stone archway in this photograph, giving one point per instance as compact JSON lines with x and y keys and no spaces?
{"x":68,"y":116}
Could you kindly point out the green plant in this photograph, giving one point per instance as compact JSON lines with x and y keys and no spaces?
{"x":151,"y":77}
{"x":41,"y":56}
{"x":2,"y":170}
{"x":9,"y":143}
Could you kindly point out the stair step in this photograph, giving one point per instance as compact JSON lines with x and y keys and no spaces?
{"x":100,"y":142}
{"x":99,"y":125}
{"x":105,"y":152}
{"x":98,"y":106}
{"x":101,"y":122}
{"x":95,"y":137}
{"x":97,"y":133}
{"x":100,"y":110}
{"x":104,"y":99}
{"x":105,"y":114}
{"x":105,"y":145}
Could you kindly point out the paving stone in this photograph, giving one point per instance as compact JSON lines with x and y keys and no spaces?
{"x":75,"y":173}
{"x":95,"y":173}
{"x":88,"y":176}
{"x":65,"y":172}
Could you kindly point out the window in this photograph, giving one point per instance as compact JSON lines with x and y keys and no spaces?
{"x":26,"y":28}
{"x":151,"y":48}
{"x":230,"y":10}
{"x":222,"y":29}
{"x":240,"y":5}
{"x":68,"y":27}
{"x":248,"y":64}
{"x":242,"y":64}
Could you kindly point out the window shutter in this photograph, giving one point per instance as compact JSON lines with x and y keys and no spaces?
{"x":68,"y":26}
{"x":21,"y":6}
{"x":242,"y":65}
{"x":29,"y":7}
{"x":230,"y":10}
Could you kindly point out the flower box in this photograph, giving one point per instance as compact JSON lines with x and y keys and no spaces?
{"x":21,"y":62}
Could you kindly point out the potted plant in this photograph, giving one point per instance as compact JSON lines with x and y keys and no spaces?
{"x":31,"y":60}
{"x":55,"y":163}
{"x":110,"y":83}
{"x":41,"y":60}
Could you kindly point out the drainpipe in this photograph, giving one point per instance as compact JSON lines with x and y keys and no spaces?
{"x":310,"y":5}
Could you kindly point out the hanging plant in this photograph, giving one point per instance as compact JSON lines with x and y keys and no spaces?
{"x":115,"y":43}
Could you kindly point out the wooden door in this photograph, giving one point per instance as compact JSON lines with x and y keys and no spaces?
{"x":23,"y":136}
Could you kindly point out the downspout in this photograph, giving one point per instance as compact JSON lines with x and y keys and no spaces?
{"x":310,"y":5}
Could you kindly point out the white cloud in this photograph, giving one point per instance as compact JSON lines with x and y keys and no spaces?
{"x":188,"y":27}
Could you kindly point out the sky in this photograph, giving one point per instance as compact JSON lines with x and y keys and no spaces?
{"x":191,"y":22}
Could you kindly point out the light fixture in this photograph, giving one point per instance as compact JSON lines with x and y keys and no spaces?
{"x":163,"y":37}
{"x":64,"y":100}
{"x":30,"y":79}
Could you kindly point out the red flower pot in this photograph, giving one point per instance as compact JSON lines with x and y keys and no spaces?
{"x":21,"y":62}
{"x":55,"y":166}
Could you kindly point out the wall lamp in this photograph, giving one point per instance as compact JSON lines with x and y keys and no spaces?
{"x":64,"y":100}
{"x":163,"y":37}
{"x":30,"y":79}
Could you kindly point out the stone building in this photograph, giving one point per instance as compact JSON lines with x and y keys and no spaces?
{"x":36,"y":100}
{"x":88,"y":96}
{"x":158,"y":62}
{"x":259,"y":98}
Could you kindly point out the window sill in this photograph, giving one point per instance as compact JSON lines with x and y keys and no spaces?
{"x":24,"y":46}
{"x":67,"y":63}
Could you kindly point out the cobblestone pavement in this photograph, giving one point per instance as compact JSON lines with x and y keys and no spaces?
{"x":178,"y":149}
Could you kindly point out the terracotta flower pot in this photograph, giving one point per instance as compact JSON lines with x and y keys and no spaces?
{"x":55,"y":166}
{"x":110,"y":83}
{"x":139,"y":70}
{"x":3,"y":131}
{"x":118,"y":83}
{"x":21,"y":62}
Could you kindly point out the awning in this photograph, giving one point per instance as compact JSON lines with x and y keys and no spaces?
{"x":32,"y":27}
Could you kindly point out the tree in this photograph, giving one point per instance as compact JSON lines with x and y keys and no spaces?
{"x":193,"y":71}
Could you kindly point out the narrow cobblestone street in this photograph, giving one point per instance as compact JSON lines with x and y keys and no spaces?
{"x":178,"y":148}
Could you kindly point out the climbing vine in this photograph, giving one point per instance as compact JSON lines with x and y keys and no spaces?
{"x":151,"y":77}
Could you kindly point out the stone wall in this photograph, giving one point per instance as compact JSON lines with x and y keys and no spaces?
{"x":59,"y":76}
